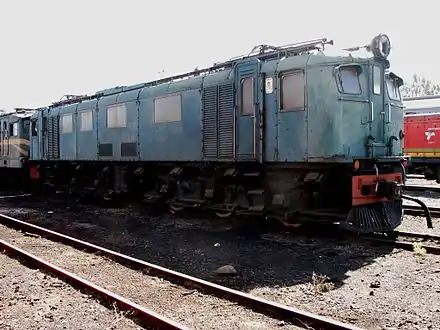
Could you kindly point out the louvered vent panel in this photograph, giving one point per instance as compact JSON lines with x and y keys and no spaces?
{"x":50,"y":142}
{"x":209,"y":98}
{"x":53,"y":138}
{"x":226,"y":122}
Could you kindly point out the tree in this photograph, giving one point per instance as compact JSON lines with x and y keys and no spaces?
{"x":419,"y":87}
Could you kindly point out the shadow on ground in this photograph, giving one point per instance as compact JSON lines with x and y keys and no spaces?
{"x":199,"y":246}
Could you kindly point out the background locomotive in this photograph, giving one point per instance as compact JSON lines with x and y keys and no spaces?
{"x":284,"y":132}
{"x":422,"y":136}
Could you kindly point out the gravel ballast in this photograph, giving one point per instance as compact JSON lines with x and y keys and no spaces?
{"x":30,"y":299}
{"x":431,"y":199}
{"x":374,"y":287}
{"x":188,"y":307}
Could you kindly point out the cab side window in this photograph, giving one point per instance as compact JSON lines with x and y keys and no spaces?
{"x":86,"y":120}
{"x":67,"y":123}
{"x":247,"y":96}
{"x":116,"y":116}
{"x":34,"y":128}
{"x":349,"y":80}
{"x":13,"y":129}
{"x":292,"y":91}
{"x":168,"y":109}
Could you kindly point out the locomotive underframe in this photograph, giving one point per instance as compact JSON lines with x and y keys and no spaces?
{"x":364,"y":199}
{"x":430,"y":168}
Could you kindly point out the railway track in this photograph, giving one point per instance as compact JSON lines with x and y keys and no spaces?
{"x":415,"y":176}
{"x":414,"y":187}
{"x":423,"y":236}
{"x":418,"y":211}
{"x":407,"y":240}
{"x":144,"y":316}
{"x":279,"y":311}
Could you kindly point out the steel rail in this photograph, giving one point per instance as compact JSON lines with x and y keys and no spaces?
{"x":415,"y":176}
{"x":408,"y":246}
{"x":283,"y":312}
{"x":15,"y":196}
{"x":418,"y":235}
{"x":418,"y":211}
{"x":145,"y":316}
{"x":416,"y":187}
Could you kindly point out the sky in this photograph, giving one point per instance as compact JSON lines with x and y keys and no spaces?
{"x":54,"y":47}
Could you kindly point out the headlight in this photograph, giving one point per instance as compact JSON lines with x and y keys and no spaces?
{"x":381,"y":46}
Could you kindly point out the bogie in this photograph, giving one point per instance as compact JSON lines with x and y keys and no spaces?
{"x":288,"y":194}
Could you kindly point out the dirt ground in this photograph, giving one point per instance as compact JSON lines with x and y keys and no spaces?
{"x":30,"y":299}
{"x":374,"y":287}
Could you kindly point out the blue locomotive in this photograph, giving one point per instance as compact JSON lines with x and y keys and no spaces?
{"x":283,"y":132}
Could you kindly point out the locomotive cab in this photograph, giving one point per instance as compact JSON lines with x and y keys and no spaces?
{"x":378,"y":175}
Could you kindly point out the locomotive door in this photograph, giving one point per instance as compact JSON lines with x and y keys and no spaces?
{"x":394,"y":113}
{"x":5,"y":138}
{"x":1,"y":139}
{"x":248,"y":112}
{"x":377,"y":111}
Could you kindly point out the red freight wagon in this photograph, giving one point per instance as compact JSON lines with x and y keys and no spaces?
{"x":422,"y":137}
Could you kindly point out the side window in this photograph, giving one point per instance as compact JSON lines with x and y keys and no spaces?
{"x":117,"y":116}
{"x":13,"y":130}
{"x":67,"y":124}
{"x":34,"y":128}
{"x":377,"y":80}
{"x":168,"y":109}
{"x":349,"y":80}
{"x":292,"y":91}
{"x":247,"y":96}
{"x":86,"y":121}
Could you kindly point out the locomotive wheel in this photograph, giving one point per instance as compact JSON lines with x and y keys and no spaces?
{"x":223,"y":214}
{"x":175,"y":208}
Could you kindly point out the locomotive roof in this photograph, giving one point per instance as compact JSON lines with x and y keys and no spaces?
{"x":423,"y":114}
{"x":314,"y":60}
{"x":422,"y":105}
{"x":19,"y":113}
{"x":310,"y":52}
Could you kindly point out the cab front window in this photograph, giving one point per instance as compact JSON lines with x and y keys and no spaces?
{"x":393,"y":89}
{"x":348,"y":78}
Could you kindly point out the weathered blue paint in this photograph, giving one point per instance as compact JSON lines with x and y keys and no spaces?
{"x":332,"y":126}
{"x":292,"y":123}
{"x":115,"y":136}
{"x":341,"y":121}
{"x":68,"y":139}
{"x":174,"y":141}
